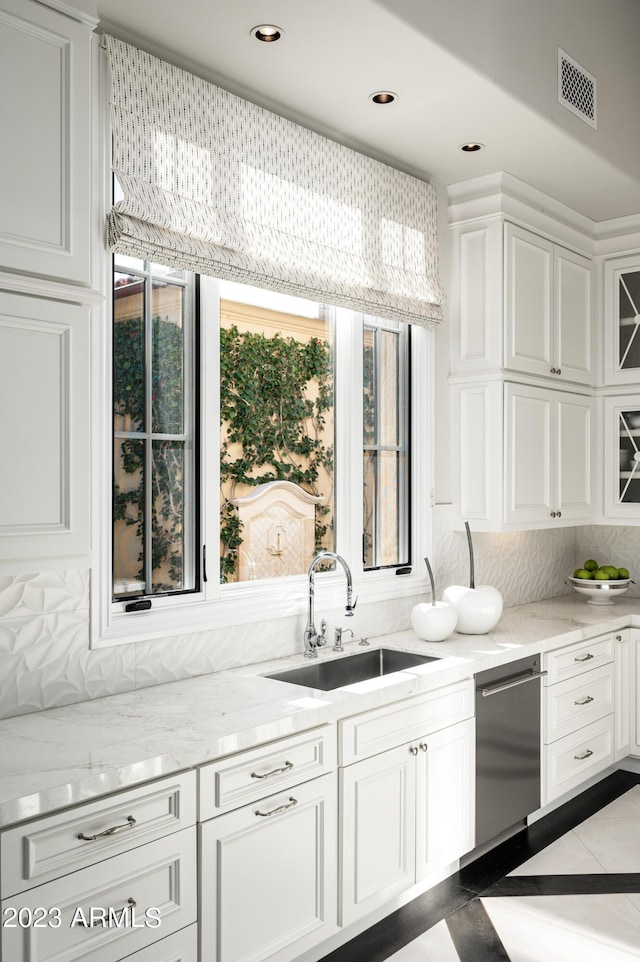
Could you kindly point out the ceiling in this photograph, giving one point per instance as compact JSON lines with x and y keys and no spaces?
{"x":335,"y":53}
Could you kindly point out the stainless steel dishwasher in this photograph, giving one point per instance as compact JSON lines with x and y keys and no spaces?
{"x":507,"y":746}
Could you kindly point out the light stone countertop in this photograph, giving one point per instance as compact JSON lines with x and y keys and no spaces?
{"x":67,"y":755}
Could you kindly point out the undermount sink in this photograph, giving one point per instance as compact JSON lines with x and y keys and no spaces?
{"x":327,"y":675}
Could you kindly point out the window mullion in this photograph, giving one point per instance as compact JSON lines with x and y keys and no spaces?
{"x":148,"y":413}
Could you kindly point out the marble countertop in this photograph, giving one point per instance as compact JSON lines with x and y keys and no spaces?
{"x":67,"y":755}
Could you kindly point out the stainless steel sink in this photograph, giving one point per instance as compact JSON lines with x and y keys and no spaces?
{"x":339,"y":672}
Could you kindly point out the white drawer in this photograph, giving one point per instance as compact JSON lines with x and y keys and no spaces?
{"x":576,"y":702}
{"x":159,"y":876}
{"x":574,"y":659}
{"x":182,"y":946}
{"x":49,"y":847}
{"x":248,"y":776}
{"x":374,"y":731}
{"x":576,"y":757}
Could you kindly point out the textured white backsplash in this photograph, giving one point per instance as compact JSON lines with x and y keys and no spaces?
{"x":45,"y":659}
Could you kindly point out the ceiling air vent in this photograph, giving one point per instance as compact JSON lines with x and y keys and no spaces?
{"x":576,"y":88}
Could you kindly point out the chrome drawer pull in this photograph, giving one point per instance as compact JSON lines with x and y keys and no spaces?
{"x":587,"y":657}
{"x":584,"y":701}
{"x":108,"y":831}
{"x":581,"y":758}
{"x":106,"y":915}
{"x":414,"y":749}
{"x":281,"y":808}
{"x":276,"y":771}
{"x":424,"y":747}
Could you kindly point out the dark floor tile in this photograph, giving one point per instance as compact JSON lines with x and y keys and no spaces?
{"x":403,"y":925}
{"x":582,"y":884}
{"x":474,"y":936}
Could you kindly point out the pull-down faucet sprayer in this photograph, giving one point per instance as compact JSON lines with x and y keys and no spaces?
{"x":312,"y":639}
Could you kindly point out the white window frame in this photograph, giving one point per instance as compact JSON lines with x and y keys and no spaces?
{"x":216,"y":605}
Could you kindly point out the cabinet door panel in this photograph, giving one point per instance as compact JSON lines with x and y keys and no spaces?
{"x":622,"y":460}
{"x":528,"y":302}
{"x":268,"y":882}
{"x":377,"y":834}
{"x":45,"y":204}
{"x":528,"y":468}
{"x":445,"y":807}
{"x":572,"y":281}
{"x":44,"y":423}
{"x":574,"y":456}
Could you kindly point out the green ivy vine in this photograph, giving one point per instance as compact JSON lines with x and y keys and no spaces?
{"x":275,"y":393}
{"x":166,"y":414}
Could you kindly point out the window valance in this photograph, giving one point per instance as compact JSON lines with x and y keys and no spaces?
{"x":215,"y":184}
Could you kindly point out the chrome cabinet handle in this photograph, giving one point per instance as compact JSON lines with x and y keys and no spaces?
{"x":558,"y":513}
{"x":275,"y":771}
{"x":108,"y":831}
{"x":553,"y":370}
{"x":117,"y":913}
{"x":281,"y":808}
{"x":584,"y":701}
{"x":618,"y":637}
{"x":424,"y":747}
{"x":581,"y":758}
{"x":553,"y":514}
{"x":586,"y":657}
{"x":414,"y":750}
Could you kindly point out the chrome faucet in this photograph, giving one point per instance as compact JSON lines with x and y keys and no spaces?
{"x":312,"y":639}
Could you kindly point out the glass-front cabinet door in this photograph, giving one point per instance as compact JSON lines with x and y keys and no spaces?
{"x":622,"y":459}
{"x":622,"y":310}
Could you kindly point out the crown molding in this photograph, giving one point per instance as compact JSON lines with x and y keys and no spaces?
{"x":502,"y":195}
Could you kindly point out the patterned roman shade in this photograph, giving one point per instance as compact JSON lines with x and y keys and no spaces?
{"x":214,"y":184}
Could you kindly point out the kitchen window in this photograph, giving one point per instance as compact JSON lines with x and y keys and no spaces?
{"x":224,"y":489}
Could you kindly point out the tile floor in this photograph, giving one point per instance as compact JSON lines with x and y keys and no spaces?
{"x":565,"y":889}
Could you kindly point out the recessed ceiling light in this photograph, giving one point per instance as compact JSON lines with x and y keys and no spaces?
{"x":471,"y":147}
{"x":383,"y":97}
{"x":267,"y":32}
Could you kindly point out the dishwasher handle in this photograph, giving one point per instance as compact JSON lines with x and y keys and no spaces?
{"x":503,"y":686}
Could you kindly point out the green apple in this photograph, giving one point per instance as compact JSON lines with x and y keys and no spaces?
{"x":582,"y":573}
{"x":591,"y":565}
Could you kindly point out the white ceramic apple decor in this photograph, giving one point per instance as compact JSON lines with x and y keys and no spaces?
{"x":479,"y":607}
{"x":435,"y":621}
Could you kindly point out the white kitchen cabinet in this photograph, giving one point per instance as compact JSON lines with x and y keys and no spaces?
{"x":268,"y":876}
{"x":625,"y":693}
{"x":633,"y":690}
{"x":44,"y":423}
{"x":406,"y":811}
{"x":520,"y":303}
{"x":45,"y":188}
{"x":522,"y":456}
{"x":445,"y":805}
{"x":622,"y":458}
{"x":104,"y":880}
{"x":547,"y":313}
{"x":622,"y":320}
{"x":548,"y":442}
{"x":579,"y":714}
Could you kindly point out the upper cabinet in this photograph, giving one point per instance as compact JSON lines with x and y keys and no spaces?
{"x":520,"y":303}
{"x":547,"y":308}
{"x":622,"y":319}
{"x":45,"y":118}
